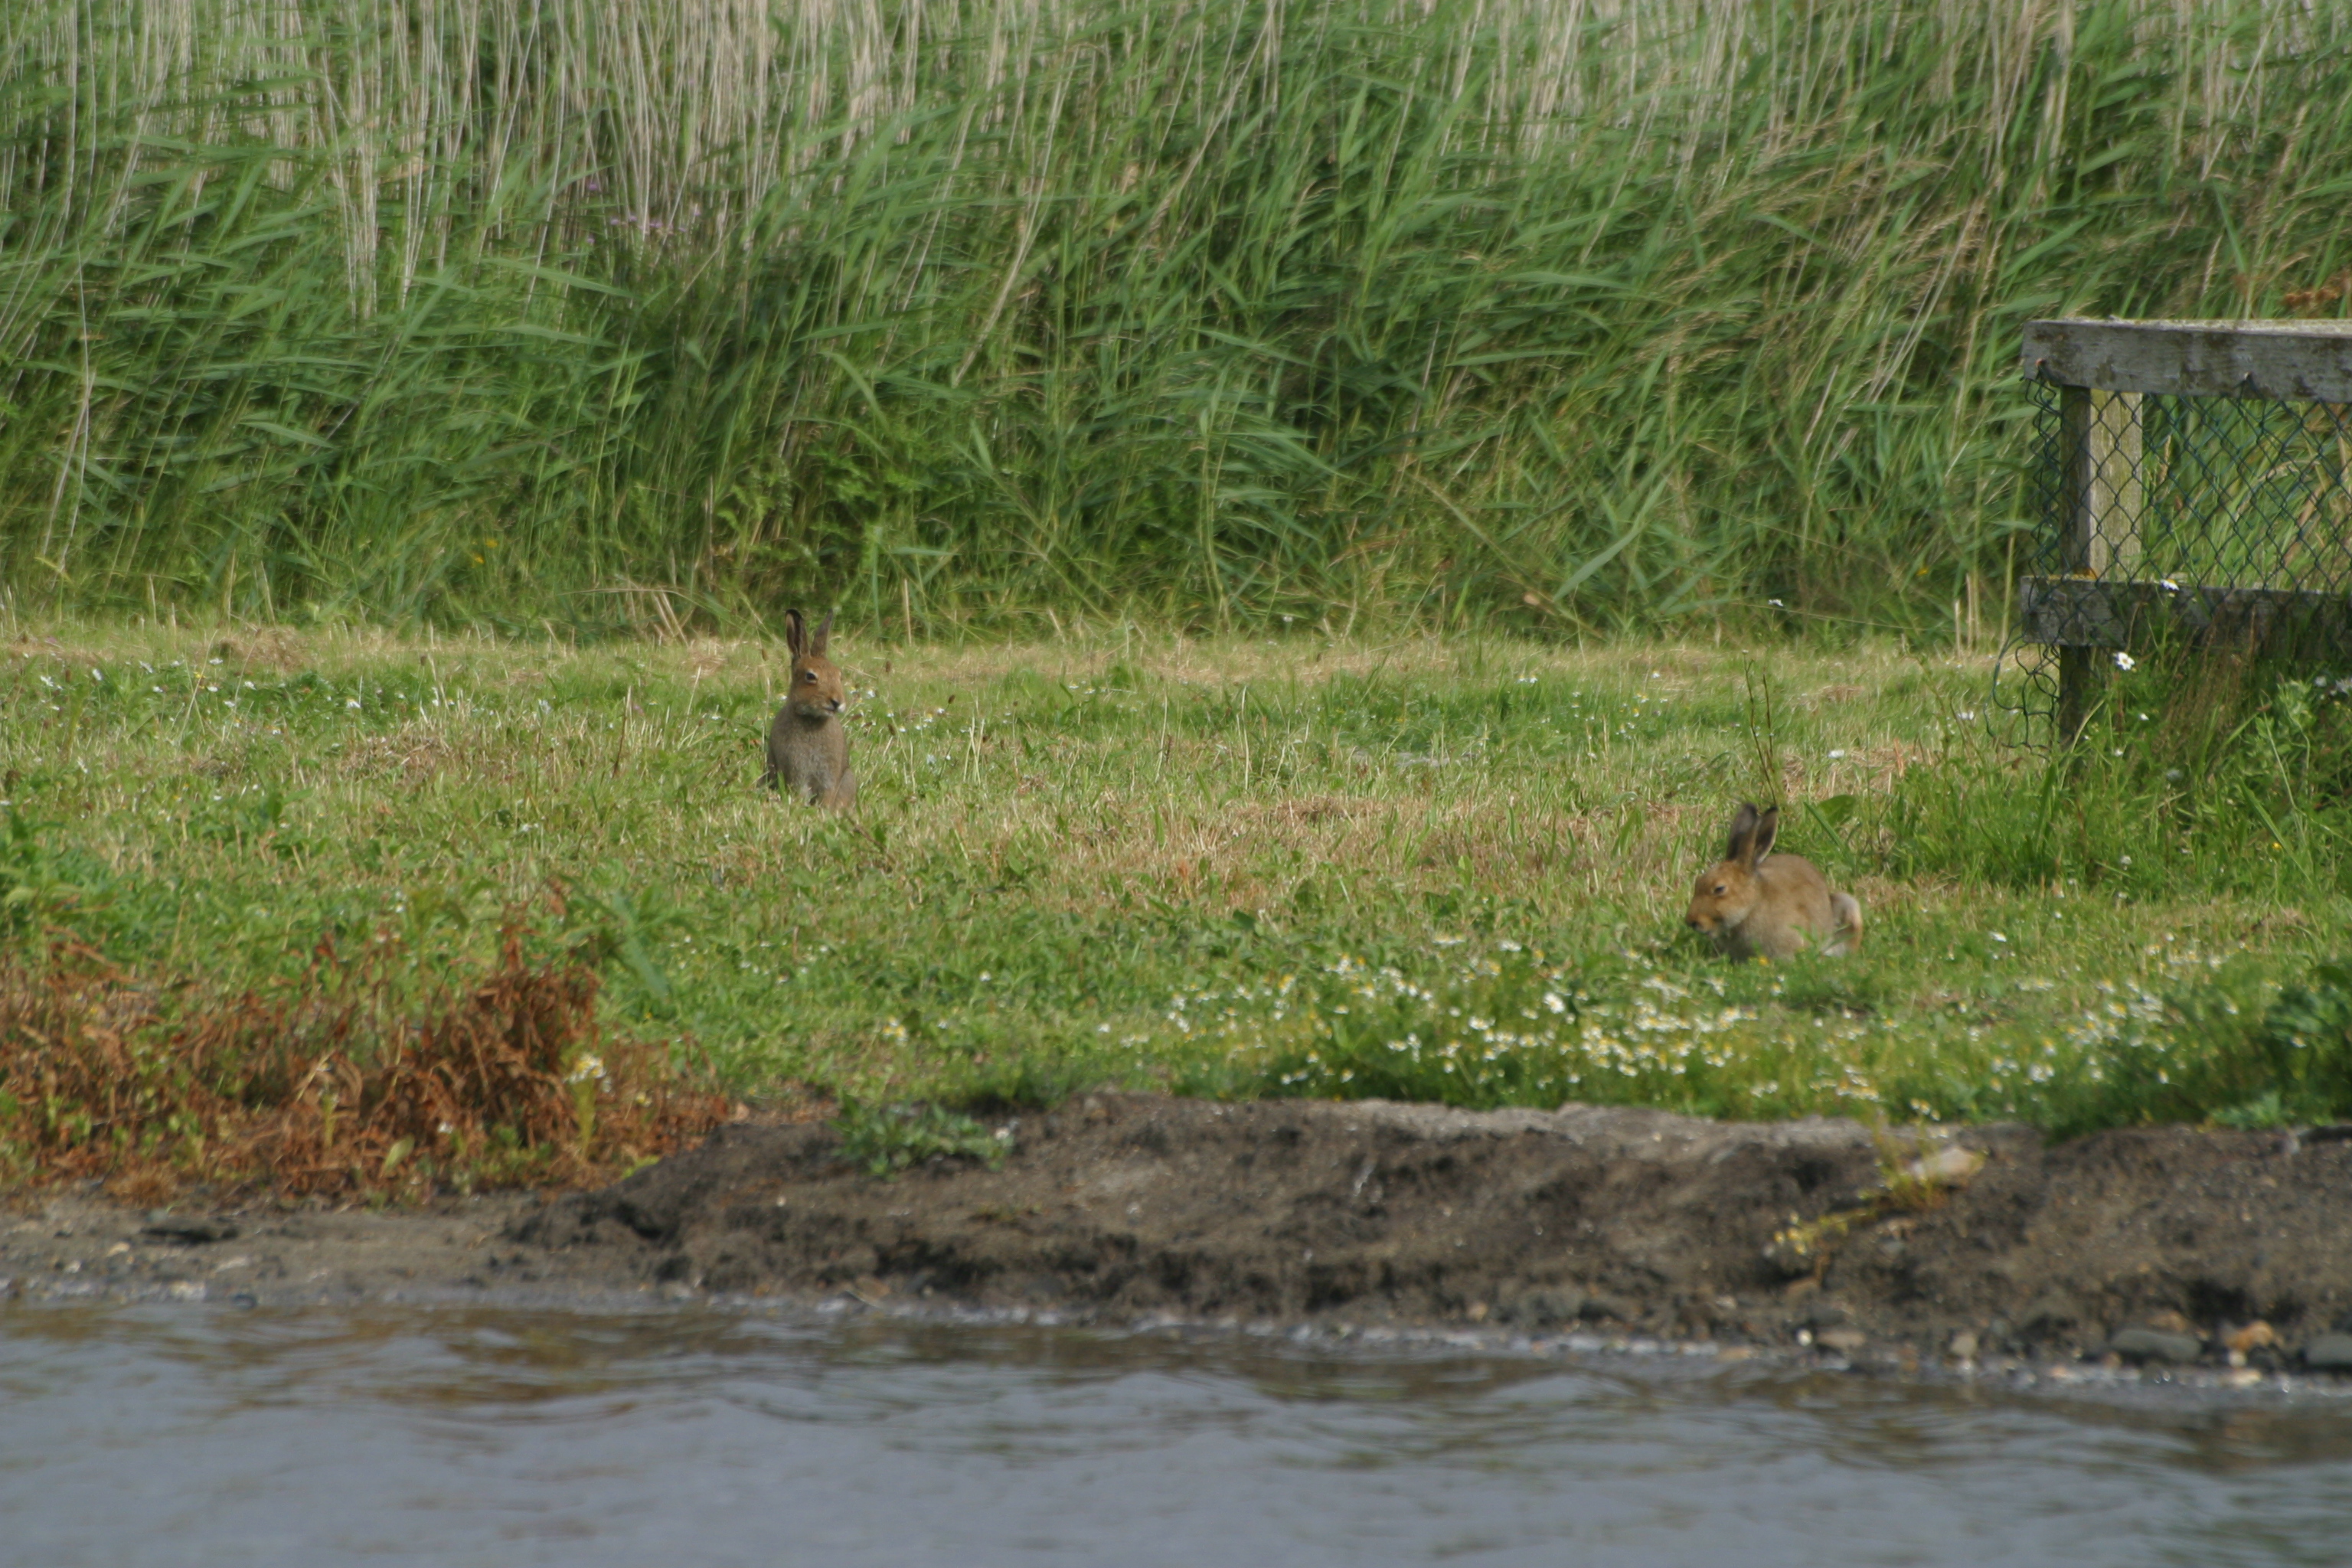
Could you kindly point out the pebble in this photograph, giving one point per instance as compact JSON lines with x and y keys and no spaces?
{"x":1963,"y":1346}
{"x":2329,"y":1352}
{"x":1844,"y":1341}
{"x":2155,"y":1344}
{"x":2256,"y":1335}
{"x":1544,"y":1308}
{"x":1948,"y":1167}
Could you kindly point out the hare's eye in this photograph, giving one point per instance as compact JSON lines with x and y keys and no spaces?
{"x":1720,"y":889}
{"x":808,"y":675}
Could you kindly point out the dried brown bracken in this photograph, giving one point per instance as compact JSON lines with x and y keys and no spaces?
{"x":338,"y":1085}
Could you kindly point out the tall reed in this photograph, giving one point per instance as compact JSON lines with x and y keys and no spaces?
{"x":1586,"y":313}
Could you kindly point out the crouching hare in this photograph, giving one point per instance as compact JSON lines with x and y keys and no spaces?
{"x":1773,"y":907}
{"x":808,"y":750}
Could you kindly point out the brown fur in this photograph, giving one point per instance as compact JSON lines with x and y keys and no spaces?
{"x":1753,"y":907}
{"x":808,"y":750}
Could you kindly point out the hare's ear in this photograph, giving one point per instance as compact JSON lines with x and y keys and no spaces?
{"x":1767,"y":827}
{"x":795,"y":633}
{"x":823,"y":636}
{"x":1743,"y":826}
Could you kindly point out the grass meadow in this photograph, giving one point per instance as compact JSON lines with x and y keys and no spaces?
{"x":1434,"y":868}
{"x":1330,"y":503}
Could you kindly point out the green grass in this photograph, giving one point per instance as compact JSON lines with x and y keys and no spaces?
{"x":1448,"y":870}
{"x":1519,"y":314}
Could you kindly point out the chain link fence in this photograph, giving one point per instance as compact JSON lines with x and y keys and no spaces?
{"x":2193,"y":485}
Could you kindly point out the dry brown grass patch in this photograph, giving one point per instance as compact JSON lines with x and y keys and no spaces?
{"x":333,"y":1085}
{"x":415,"y":752}
{"x":1313,"y":811}
{"x":275,"y":649}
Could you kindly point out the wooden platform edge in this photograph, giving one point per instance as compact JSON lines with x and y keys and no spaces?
{"x":2305,"y":360}
{"x":2082,"y":612}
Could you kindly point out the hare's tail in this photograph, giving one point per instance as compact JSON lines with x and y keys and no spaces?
{"x":1845,"y":935}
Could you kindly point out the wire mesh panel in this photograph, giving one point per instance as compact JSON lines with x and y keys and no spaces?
{"x":2193,"y":483}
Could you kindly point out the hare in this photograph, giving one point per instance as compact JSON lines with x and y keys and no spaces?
{"x":808,"y":750}
{"x":1754,"y":906}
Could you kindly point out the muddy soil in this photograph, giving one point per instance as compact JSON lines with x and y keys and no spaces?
{"x":1626,"y":1220}
{"x":1364,"y":1214}
{"x":62,"y":1244}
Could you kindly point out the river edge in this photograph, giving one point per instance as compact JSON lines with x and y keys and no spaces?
{"x":2126,"y":1256}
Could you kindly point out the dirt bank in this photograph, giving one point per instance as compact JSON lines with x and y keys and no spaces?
{"x":1629,"y":1220}
{"x":1370,"y":1213}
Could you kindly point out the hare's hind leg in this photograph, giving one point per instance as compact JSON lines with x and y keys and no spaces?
{"x":1846,"y":931}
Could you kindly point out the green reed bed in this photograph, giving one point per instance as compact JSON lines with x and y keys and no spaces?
{"x":965,"y":312}
{"x":1448,"y":870}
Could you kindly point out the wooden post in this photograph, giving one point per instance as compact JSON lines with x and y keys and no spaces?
{"x":2113,"y":500}
{"x":2101,"y":437}
{"x":2080,"y":677}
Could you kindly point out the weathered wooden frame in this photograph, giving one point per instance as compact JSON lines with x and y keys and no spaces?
{"x":2102,"y":369}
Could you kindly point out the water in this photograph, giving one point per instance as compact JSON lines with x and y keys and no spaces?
{"x":181,"y":1436}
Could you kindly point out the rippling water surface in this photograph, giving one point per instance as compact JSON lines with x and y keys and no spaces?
{"x":145,"y":1436}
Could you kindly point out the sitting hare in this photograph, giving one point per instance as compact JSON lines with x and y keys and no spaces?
{"x":808,"y":750}
{"x":1752,"y":906}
